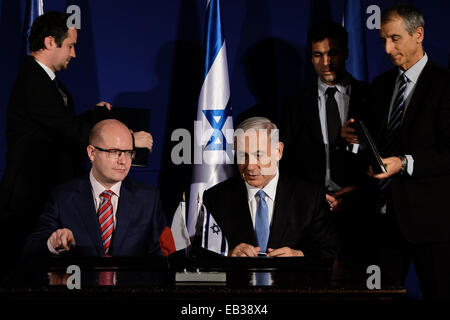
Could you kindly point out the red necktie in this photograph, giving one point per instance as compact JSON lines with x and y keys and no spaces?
{"x":105,"y":219}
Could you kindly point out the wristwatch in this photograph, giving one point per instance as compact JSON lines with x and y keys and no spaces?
{"x":404,"y":164}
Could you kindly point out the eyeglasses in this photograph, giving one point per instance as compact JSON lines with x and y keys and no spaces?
{"x":116,"y":153}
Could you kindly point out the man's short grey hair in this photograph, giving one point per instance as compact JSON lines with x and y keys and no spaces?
{"x":259,"y":123}
{"x":411,"y":15}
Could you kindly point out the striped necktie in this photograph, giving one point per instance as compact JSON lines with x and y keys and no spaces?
{"x":105,"y":219}
{"x":262,"y":221}
{"x":393,"y":127}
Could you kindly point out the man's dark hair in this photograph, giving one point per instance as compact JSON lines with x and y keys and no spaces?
{"x":328,"y":29}
{"x":51,"y":23}
{"x":411,"y":15}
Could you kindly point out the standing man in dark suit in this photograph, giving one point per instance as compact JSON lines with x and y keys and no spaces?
{"x":105,"y":212}
{"x":261,"y":211}
{"x":410,"y":121}
{"x":314,"y":148}
{"x":44,"y":137}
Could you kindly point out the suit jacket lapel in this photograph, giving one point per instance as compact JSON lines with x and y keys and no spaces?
{"x":85,"y":209}
{"x":125,"y":212}
{"x":280,"y":214}
{"x":420,"y":93}
{"x":313,"y":113}
{"x":244,"y":228}
{"x":385,"y":102}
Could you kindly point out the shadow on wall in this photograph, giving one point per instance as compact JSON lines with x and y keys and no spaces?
{"x":272,"y":68}
{"x":173,"y":101}
{"x":155,"y":100}
{"x":256,"y":26}
{"x":82,"y":79}
{"x":319,"y":11}
{"x":11,"y":27}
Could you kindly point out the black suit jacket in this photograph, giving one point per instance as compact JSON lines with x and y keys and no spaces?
{"x":300,"y":219}
{"x":139,"y":221}
{"x":421,"y":200}
{"x":304,"y":153}
{"x":45,"y":143}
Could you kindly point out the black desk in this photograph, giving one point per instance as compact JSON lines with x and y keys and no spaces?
{"x":288,"y":282}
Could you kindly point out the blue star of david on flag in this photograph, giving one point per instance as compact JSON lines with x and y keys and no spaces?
{"x":215,"y":229}
{"x":217,"y":119}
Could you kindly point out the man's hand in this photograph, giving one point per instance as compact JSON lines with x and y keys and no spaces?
{"x":244,"y":250}
{"x":335,"y":199}
{"x":393,"y":166}
{"x":284,"y":252}
{"x":107,"y":105}
{"x":143,"y":139}
{"x":348,"y":133}
{"x":62,"y":239}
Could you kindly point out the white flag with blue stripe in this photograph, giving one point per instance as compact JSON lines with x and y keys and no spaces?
{"x":212,"y":236}
{"x":34,"y":9}
{"x":213,"y":132}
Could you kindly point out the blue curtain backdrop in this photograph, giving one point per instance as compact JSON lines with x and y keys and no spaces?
{"x":147,"y":54}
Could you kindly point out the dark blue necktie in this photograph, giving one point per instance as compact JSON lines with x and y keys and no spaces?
{"x":333,"y":118}
{"x":262,"y":221}
{"x":63,"y":95}
{"x":393,"y":127}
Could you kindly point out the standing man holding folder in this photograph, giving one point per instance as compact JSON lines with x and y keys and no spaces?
{"x":314,"y":148}
{"x":410,"y":122}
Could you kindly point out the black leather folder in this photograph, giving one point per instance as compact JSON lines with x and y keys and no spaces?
{"x":368,"y":148}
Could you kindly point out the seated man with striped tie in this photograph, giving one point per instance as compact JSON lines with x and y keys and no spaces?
{"x":105,"y":212}
{"x":260,"y":212}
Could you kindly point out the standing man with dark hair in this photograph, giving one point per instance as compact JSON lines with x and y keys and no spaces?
{"x":314,"y":148}
{"x":44,"y":137}
{"x":410,"y":121}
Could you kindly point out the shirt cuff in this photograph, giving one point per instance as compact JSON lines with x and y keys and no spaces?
{"x":410,"y":165}
{"x":353,"y":148}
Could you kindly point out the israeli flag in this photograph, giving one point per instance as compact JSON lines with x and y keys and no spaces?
{"x":213,"y":133}
{"x":212,"y":236}
{"x":34,"y":9}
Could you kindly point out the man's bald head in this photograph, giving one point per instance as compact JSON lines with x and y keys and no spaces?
{"x":104,"y":127}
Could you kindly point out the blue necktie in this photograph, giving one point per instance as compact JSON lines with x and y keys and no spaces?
{"x":393,"y":127}
{"x":262,"y":221}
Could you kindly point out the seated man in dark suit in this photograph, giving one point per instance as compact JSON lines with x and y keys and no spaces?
{"x":105,"y":213}
{"x":261,"y":212}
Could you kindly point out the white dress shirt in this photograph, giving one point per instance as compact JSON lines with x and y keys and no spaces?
{"x":342,"y":97}
{"x":270,"y":190}
{"x":49,"y":71}
{"x":97,"y":189}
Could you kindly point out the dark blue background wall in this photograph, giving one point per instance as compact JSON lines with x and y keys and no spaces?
{"x":147,"y":54}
